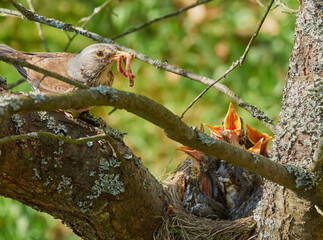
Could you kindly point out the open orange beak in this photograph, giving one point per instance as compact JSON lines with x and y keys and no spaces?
{"x":257,"y":147}
{"x":256,"y":136}
{"x":191,"y":152}
{"x":232,"y":130}
{"x":216,"y":131}
{"x":126,"y":57}
{"x":232,"y":120}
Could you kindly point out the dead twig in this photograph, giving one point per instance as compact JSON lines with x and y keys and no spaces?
{"x":141,"y":26}
{"x":86,"y":20}
{"x":12,"y":85}
{"x":40,"y":31}
{"x":53,"y":136}
{"x":237,"y":63}
{"x":10,"y":13}
{"x":285,"y":8}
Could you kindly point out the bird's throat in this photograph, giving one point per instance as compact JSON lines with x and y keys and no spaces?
{"x":104,"y":78}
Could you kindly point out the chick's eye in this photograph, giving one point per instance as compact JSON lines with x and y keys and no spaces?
{"x":99,"y":53}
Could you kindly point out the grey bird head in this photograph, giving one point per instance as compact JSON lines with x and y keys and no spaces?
{"x":93,"y":61}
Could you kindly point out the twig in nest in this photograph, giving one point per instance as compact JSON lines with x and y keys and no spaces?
{"x":184,"y":226}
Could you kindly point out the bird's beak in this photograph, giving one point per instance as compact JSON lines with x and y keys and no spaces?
{"x":192,"y":152}
{"x":216,"y":131}
{"x":258,"y":139}
{"x":254,"y":135}
{"x":232,"y":120}
{"x":120,"y":56}
{"x":258,"y":147}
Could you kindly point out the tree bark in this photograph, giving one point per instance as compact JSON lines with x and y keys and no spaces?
{"x":100,"y":189}
{"x":283,"y":214}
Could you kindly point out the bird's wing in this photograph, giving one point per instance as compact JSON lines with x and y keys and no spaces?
{"x":54,"y":62}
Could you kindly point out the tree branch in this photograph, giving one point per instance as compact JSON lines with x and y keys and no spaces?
{"x":235,"y":64}
{"x":85,"y":21}
{"x":63,"y":138}
{"x":40,"y":31}
{"x":157,"y":114}
{"x":6,"y":12}
{"x":172,"y":14}
{"x":16,"y":83}
{"x":88,"y":186}
{"x":253,"y":110}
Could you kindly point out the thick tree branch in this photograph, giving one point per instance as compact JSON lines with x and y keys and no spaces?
{"x":157,"y":114}
{"x":253,"y":110}
{"x":100,"y":188}
{"x":297,"y":134}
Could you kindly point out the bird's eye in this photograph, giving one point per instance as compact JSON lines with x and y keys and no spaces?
{"x":99,"y":53}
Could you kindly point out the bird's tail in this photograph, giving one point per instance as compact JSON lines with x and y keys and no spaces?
{"x":7,"y":51}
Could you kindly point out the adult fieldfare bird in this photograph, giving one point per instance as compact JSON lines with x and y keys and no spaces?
{"x":91,"y":67}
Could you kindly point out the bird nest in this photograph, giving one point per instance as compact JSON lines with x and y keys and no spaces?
{"x":181,"y":225}
{"x":178,"y":224}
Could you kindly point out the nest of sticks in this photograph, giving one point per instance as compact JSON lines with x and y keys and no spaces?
{"x":178,"y":224}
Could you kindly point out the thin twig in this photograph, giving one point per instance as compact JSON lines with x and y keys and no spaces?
{"x":237,"y":63}
{"x":159,"y":178}
{"x":285,"y":8}
{"x":233,"y":66}
{"x":21,"y":62}
{"x":242,"y":58}
{"x":253,"y":110}
{"x":10,"y":13}
{"x":12,"y":85}
{"x":86,"y":20}
{"x":40,"y":31}
{"x":52,"y":136}
{"x":95,"y":12}
{"x":140,"y":26}
{"x":260,"y":3}
{"x":112,"y":111}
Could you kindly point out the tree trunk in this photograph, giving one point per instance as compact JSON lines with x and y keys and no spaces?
{"x":282,"y":214}
{"x":100,"y":189}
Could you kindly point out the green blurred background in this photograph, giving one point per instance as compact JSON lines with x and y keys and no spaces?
{"x":205,"y":40}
